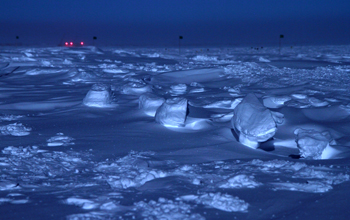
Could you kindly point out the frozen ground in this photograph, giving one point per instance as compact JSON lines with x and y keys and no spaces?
{"x":144,"y":133}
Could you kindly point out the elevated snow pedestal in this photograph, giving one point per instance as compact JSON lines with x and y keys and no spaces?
{"x":98,"y":96}
{"x":253,"y":122}
{"x":172,"y":113}
{"x":149,"y":103}
{"x":314,"y":144}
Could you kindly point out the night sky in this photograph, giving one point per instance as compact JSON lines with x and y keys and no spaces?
{"x":160,"y":22}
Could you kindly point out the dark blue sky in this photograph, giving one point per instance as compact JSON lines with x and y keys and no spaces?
{"x":160,"y":22}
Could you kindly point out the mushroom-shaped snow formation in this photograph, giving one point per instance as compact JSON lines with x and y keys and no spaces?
{"x":253,"y":122}
{"x":149,"y":103}
{"x":313,"y":144}
{"x":98,"y":96}
{"x":172,"y":112}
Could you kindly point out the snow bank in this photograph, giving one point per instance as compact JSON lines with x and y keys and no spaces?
{"x":99,"y":96}
{"x":276,"y":102}
{"x":225,"y":202}
{"x":253,"y":122}
{"x":172,"y":112}
{"x":312,"y":144}
{"x":149,"y":103}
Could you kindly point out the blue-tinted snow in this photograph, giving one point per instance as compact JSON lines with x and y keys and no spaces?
{"x":80,"y":138}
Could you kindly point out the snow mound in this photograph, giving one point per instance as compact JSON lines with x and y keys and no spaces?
{"x":275,"y":102}
{"x":7,"y":185}
{"x":317,"y":103}
{"x":225,"y":104}
{"x":328,"y":114}
{"x":225,"y":202}
{"x":253,"y":122}
{"x":166,"y":209}
{"x":16,"y":129}
{"x":172,"y":112}
{"x":99,"y":96}
{"x":240,"y":181}
{"x":22,"y":152}
{"x":10,"y":117}
{"x":149,"y":103}
{"x":134,"y":88}
{"x":309,"y":186}
{"x":45,"y":71}
{"x":83,"y":203}
{"x":312,"y":144}
{"x":179,"y":89}
{"x":204,"y":58}
{"x":264,"y":60}
{"x":59,"y":140}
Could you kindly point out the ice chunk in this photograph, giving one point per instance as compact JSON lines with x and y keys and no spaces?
{"x":172,"y":112}
{"x":98,"y":96}
{"x":253,"y":121}
{"x":16,"y":129}
{"x":149,"y":103}
{"x":312,"y":143}
{"x":225,"y":202}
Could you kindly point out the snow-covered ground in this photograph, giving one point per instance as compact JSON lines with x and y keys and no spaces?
{"x":148,"y":133}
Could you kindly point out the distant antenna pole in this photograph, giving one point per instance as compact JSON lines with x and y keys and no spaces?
{"x":94,"y":38}
{"x":281,"y":36}
{"x":180,"y":38}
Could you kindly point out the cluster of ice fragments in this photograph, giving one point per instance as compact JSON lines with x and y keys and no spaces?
{"x":16,"y":129}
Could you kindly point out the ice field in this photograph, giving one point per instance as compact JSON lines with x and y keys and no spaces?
{"x":148,"y":133}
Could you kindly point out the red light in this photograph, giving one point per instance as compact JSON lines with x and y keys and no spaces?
{"x":82,"y":43}
{"x":71,"y":43}
{"x":66,"y":43}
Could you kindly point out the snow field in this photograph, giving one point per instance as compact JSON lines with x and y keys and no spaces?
{"x":211,"y":135}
